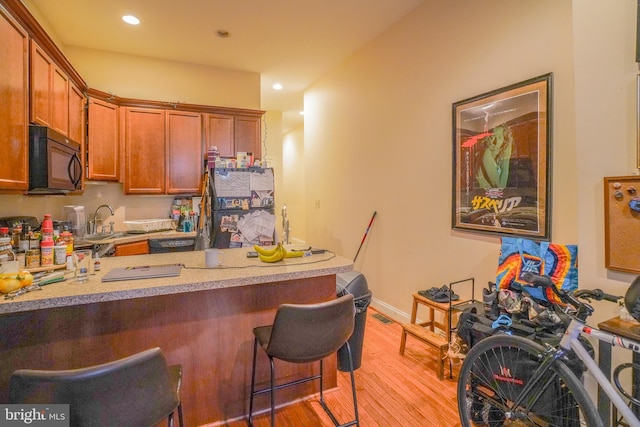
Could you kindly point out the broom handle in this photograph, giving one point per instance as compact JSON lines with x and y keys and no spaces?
{"x":365,"y":235}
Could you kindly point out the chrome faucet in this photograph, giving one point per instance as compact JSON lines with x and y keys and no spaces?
{"x":93,"y":225}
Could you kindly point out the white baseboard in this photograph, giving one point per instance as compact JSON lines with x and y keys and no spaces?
{"x":390,"y":311}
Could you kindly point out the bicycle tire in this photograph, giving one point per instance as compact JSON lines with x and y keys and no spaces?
{"x":493,"y":374}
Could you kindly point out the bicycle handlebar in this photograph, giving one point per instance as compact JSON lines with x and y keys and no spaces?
{"x":596,"y":294}
{"x":584,"y":309}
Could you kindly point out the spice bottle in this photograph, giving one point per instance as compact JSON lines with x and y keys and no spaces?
{"x":66,"y":238}
{"x":46,"y":252}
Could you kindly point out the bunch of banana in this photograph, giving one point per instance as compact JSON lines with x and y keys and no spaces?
{"x":275,"y":254}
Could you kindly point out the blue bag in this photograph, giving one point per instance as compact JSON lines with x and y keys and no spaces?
{"x":519,"y":255}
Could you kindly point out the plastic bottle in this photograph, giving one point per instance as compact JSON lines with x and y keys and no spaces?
{"x":46,"y":252}
{"x":96,"y":263}
{"x":66,"y":238}
{"x":47,"y":227}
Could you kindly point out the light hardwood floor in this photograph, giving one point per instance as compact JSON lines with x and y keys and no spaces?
{"x":393,"y":390}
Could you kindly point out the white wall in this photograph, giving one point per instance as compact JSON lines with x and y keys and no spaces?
{"x":130,"y":76}
{"x":294,"y":176}
{"x":378,"y":135}
{"x":605,"y":69}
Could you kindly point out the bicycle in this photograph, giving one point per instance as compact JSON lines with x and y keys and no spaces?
{"x":512,"y":380}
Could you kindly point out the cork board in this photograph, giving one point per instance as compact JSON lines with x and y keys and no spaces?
{"x":622,"y":223}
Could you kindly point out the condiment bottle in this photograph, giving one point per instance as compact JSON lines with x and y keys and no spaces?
{"x":96,"y":263}
{"x":46,"y":252}
{"x":47,"y":227}
{"x":66,"y":238}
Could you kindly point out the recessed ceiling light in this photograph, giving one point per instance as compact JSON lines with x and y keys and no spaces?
{"x":302,"y":113}
{"x":130,"y":19}
{"x":277,"y":86}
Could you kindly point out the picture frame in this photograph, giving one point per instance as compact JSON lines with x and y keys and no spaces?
{"x":638,"y":120}
{"x":502,"y":161}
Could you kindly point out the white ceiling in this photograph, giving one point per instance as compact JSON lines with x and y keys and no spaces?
{"x":288,"y":41}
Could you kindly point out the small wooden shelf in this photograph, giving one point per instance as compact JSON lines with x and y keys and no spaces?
{"x":425,"y":331}
{"x":45,"y":268}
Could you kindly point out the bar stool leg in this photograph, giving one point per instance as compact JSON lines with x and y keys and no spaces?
{"x":253,"y":381}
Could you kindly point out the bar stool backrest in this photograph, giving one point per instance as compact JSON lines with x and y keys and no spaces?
{"x":134,"y":391}
{"x":308,"y":332}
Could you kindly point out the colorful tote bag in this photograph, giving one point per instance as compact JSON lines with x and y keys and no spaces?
{"x":518,"y":255}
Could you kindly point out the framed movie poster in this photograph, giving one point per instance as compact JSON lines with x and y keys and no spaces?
{"x":502,"y":161}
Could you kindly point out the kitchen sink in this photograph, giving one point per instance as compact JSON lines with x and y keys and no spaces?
{"x":99,"y":237}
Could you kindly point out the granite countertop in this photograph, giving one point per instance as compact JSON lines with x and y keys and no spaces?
{"x":236,"y":270}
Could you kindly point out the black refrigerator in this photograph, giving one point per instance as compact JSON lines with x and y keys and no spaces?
{"x":242,"y":210}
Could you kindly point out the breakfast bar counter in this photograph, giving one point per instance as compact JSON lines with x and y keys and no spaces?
{"x":202,"y":319}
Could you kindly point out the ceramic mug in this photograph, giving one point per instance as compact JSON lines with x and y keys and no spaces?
{"x":213,"y":257}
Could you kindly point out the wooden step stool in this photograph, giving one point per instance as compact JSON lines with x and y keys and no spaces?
{"x":424,"y":331}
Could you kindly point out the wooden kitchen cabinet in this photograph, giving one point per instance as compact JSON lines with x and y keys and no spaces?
{"x":184,"y":159}
{"x":77,"y":114}
{"x":49,"y":91}
{"x":144,"y":142}
{"x":103,"y":150}
{"x":234,"y":132}
{"x":219,"y":133}
{"x":134,"y":248}
{"x":246,"y":136}
{"x":14,"y":108}
{"x":77,"y":122}
{"x":163,"y":151}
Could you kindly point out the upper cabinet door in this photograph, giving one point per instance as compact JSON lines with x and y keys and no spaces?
{"x":247,"y":135}
{"x":184,"y":161}
{"x":144,"y":142}
{"x":41,"y":66}
{"x":77,"y":120}
{"x":14,"y":109}
{"x":49,"y":92}
{"x":219,"y":133}
{"x":77,"y":114}
{"x":103,"y":141}
{"x":59,"y":101}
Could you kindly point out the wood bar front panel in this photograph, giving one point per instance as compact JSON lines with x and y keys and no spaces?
{"x":208,"y":332}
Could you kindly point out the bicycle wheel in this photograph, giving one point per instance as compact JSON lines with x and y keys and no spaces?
{"x":494,"y":374}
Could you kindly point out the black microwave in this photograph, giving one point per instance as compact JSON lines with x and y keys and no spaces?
{"x":54,"y":162}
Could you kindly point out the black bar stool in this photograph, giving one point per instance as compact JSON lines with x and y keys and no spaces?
{"x":304,"y":333}
{"x":139,"y":390}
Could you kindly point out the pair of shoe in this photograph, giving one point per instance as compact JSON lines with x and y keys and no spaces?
{"x":457,"y":350}
{"x":443,"y":294}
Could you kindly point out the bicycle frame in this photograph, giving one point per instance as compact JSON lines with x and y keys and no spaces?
{"x":570,"y":341}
